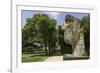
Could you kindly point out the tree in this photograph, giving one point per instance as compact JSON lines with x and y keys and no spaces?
{"x":52,"y":35}
{"x":85,"y":24}
{"x":41,"y":29}
{"x":47,"y":28}
{"x":61,"y":38}
{"x":28,"y":33}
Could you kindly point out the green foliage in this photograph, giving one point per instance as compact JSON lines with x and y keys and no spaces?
{"x":42,"y":29}
{"x":39,"y":29}
{"x":65,"y":48}
{"x":85,"y":24}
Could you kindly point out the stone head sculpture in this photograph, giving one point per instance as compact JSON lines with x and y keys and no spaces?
{"x":72,"y":31}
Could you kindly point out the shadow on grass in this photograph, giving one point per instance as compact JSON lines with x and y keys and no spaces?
{"x":39,"y":57}
{"x":34,"y":55}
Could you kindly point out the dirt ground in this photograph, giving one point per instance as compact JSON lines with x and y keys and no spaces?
{"x":54,"y":58}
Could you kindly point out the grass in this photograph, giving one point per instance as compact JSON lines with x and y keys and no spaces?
{"x":34,"y":57}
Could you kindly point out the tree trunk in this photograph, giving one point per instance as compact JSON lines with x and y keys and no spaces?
{"x":46,"y":51}
{"x":49,"y":48}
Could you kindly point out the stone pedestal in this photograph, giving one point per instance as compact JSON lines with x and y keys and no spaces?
{"x":72,"y":57}
{"x":73,"y":35}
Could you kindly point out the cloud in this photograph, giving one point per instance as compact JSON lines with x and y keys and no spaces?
{"x":54,"y":14}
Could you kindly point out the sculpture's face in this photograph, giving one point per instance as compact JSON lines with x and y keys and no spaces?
{"x":71,"y":32}
{"x":67,"y":33}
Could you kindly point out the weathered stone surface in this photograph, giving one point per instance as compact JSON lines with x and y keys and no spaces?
{"x":73,"y":35}
{"x":80,"y":47}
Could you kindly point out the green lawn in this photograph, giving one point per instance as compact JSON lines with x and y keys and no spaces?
{"x":34,"y":57}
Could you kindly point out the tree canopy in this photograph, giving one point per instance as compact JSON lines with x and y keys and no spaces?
{"x":39,"y":29}
{"x":85,"y":24}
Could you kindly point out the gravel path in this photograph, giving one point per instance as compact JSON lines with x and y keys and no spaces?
{"x":54,"y":58}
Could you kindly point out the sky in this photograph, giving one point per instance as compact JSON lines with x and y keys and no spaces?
{"x":58,"y":16}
